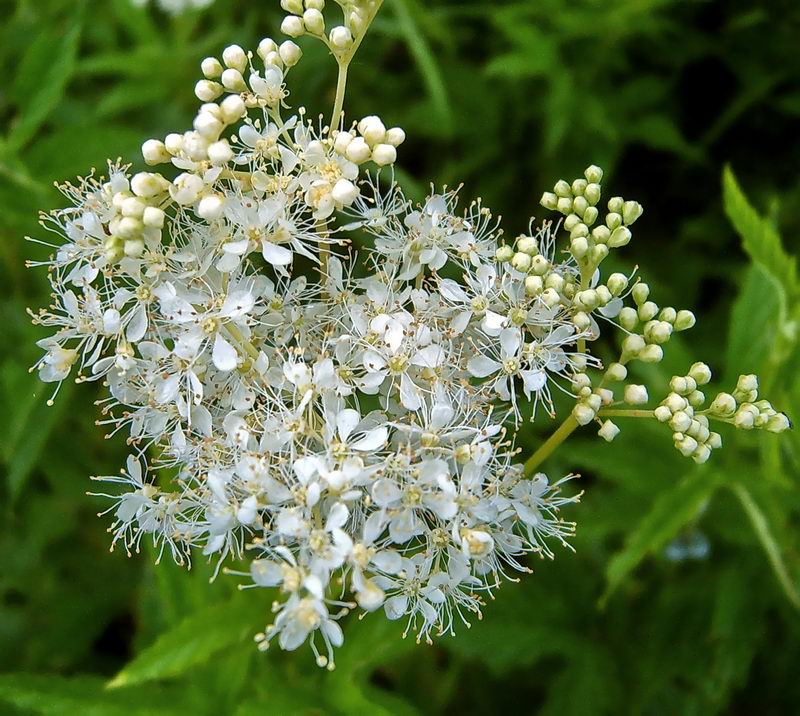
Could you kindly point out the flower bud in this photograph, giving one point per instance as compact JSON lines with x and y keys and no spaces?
{"x":662,"y":413}
{"x":617,"y":283}
{"x":747,"y":383}
{"x":778,"y":423}
{"x":593,"y":174}
{"x":562,"y":189}
{"x":549,"y":201}
{"x":384,"y":154}
{"x":358,"y":151}
{"x":235,"y":58}
{"x":578,"y":247}
{"x":395,"y":136}
{"x":148,"y":185}
{"x":266,"y":46}
{"x":314,"y":22}
{"x":344,"y":192}
{"x":592,"y":193}
{"x":631,"y":210}
{"x":615,"y":204}
{"x":521,"y":261}
{"x":210,"y":207}
{"x":290,"y":53}
{"x":207,"y":91}
{"x":620,"y":236}
{"x":340,"y":37}
{"x":293,"y":26}
{"x":220,"y":152}
{"x":211,"y":68}
{"x":533,"y":285}
{"x":616,"y":372}
{"x":684,"y":320}
{"x":293,"y":6}
{"x":232,"y":109}
{"x":635,"y":394}
{"x":628,"y":318}
{"x":701,"y":373}
{"x":154,"y":152}
{"x":608,"y":431}
{"x":723,"y":405}
{"x":233,"y":81}
{"x":174,"y":143}
{"x":315,"y":4}
{"x":153,"y":217}
{"x":583,"y":414}
{"x":528,"y":245}
{"x":504,"y":253}
{"x":651,"y":354}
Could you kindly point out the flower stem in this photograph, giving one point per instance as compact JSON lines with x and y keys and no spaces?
{"x":341,"y":86}
{"x":624,"y":413}
{"x":559,"y":436}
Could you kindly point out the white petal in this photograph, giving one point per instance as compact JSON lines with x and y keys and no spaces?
{"x":481,"y":366}
{"x":372,"y":440}
{"x":346,"y":421}
{"x":276,"y":255}
{"x":224,"y":354}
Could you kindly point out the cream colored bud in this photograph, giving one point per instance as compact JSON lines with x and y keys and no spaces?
{"x":384,"y":154}
{"x":635,"y":394}
{"x":562,"y":189}
{"x":148,"y":185}
{"x":358,"y":151}
{"x":778,"y":423}
{"x":266,"y":46}
{"x":701,"y":373}
{"x":640,"y":292}
{"x":133,"y":206}
{"x":615,"y":204}
{"x":290,"y":53}
{"x":211,"y":207}
{"x":315,"y":4}
{"x":583,"y":414}
{"x":314,"y":22}
{"x":293,"y":6}
{"x":593,"y":174}
{"x":608,"y":431}
{"x":613,"y":221}
{"x":232,"y":109}
{"x":207,"y":125}
{"x":220,"y":152}
{"x":549,"y":201}
{"x":620,"y":236}
{"x":601,"y":234}
{"x":174,"y":143}
{"x":293,"y":26}
{"x":233,"y":81}
{"x":211,"y":68}
{"x":578,"y":247}
{"x":747,"y":383}
{"x":651,"y":354}
{"x":504,"y":253}
{"x":616,"y":372}
{"x":579,"y":205}
{"x":582,"y":321}
{"x":395,"y":136}
{"x":590,"y":215}
{"x":564,"y":205}
{"x":207,"y":91}
{"x":521,"y":261}
{"x":617,"y":283}
{"x":533,"y":285}
{"x":340,"y":37}
{"x":680,"y":422}
{"x":662,"y":413}
{"x":155,"y":152}
{"x":153,"y":217}
{"x":684,"y":320}
{"x":134,"y":248}
{"x":668,"y":314}
{"x":344,"y":192}
{"x":592,"y":193}
{"x":129,"y":228}
{"x":528,"y":245}
{"x":631,"y":210}
{"x":628,"y":318}
{"x":234,"y":57}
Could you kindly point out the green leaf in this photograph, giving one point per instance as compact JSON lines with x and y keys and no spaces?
{"x":765,"y":535}
{"x":194,"y":640}
{"x":759,"y":237}
{"x":760,"y":303}
{"x":426,"y":62}
{"x":670,"y":512}
{"x":51,"y":86}
{"x":53,"y":695}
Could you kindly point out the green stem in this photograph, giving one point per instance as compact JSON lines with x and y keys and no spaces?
{"x":341,"y":86}
{"x":624,"y":413}
{"x":559,"y":436}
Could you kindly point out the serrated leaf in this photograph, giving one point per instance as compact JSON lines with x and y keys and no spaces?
{"x":760,"y":239}
{"x":671,"y":510}
{"x":195,"y":640}
{"x":760,"y":303}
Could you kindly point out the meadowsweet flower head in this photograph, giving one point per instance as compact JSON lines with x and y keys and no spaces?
{"x":348,"y":432}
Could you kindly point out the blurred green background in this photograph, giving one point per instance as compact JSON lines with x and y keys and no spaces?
{"x":682,"y":597}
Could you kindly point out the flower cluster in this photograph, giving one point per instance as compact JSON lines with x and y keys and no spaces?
{"x":350,"y":432}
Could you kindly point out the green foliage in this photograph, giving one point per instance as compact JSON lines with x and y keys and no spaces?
{"x":505,"y":97}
